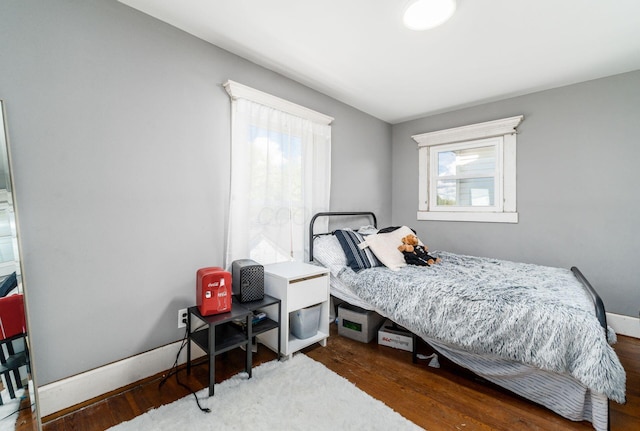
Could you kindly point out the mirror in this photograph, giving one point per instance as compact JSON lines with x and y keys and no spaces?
{"x":17,"y":389}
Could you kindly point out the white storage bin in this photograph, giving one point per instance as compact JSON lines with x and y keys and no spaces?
{"x":305,"y":321}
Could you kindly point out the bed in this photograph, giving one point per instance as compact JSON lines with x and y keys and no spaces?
{"x":540,"y":332}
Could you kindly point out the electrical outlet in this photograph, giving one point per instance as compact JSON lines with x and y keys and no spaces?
{"x":182,"y":318}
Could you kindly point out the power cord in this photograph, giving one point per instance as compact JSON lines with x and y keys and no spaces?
{"x":174,"y":371}
{"x":17,"y":411}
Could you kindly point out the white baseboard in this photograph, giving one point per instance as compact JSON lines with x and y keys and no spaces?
{"x":76,"y":389}
{"x":624,"y":325}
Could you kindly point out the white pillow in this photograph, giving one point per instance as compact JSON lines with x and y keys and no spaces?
{"x":328,"y":252}
{"x":385,"y":247}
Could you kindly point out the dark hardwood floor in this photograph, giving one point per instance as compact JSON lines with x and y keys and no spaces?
{"x":446,"y":398}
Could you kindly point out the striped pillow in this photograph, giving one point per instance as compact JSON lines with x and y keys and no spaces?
{"x":357,"y":259}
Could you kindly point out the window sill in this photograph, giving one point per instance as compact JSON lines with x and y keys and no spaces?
{"x":468,"y":216}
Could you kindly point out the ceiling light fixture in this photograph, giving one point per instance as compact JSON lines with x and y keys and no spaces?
{"x":426,"y":14}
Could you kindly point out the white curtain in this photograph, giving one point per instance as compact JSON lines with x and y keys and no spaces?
{"x":280,"y":177}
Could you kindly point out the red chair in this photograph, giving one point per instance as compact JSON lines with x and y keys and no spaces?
{"x":12,"y":328}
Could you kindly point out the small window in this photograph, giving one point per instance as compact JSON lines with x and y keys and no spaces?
{"x":466,"y":177}
{"x":468,"y":173}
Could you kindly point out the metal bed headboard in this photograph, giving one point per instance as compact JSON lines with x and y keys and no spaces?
{"x":330,"y":214}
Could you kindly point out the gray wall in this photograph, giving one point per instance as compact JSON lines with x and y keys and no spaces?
{"x":577,"y":185}
{"x":120,"y":134}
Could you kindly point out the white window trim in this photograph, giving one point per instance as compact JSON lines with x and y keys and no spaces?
{"x":237,"y":91}
{"x":506,"y":128}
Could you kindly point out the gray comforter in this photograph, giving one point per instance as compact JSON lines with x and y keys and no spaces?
{"x":533,"y":314}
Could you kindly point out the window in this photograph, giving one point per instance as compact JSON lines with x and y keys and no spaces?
{"x":466,"y":176}
{"x":280,"y":175}
{"x":469,"y":173}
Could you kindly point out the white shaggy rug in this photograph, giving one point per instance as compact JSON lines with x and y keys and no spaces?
{"x":298,"y":394}
{"x":9,"y":409}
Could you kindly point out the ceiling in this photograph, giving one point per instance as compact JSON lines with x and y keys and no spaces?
{"x":358,"y":52}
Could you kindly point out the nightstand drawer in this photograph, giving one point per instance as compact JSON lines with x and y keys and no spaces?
{"x":307,"y":291}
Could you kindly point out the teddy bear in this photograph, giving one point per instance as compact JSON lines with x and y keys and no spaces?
{"x":414,"y":253}
{"x":408,"y":243}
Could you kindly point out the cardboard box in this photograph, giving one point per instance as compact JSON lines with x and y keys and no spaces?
{"x":395,"y":336}
{"x":357,"y":323}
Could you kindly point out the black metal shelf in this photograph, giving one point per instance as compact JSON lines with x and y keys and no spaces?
{"x":263,"y":326}
{"x":228,"y":336}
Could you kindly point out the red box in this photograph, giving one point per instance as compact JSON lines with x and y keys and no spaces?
{"x":12,"y":320}
{"x":213,"y":290}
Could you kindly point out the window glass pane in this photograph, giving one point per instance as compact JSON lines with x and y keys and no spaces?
{"x":275,"y":197}
{"x":469,"y":192}
{"x":447,"y":163}
{"x":276,"y":168}
{"x":446,"y":191}
{"x":479,"y":161}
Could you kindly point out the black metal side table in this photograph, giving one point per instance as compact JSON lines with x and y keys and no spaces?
{"x":218,"y":335}
{"x":223,"y":332}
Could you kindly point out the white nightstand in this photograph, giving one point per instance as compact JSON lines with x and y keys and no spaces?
{"x":297,"y":285}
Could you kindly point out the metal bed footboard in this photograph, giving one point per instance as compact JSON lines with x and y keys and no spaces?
{"x":597,"y":301}
{"x":601,"y":315}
